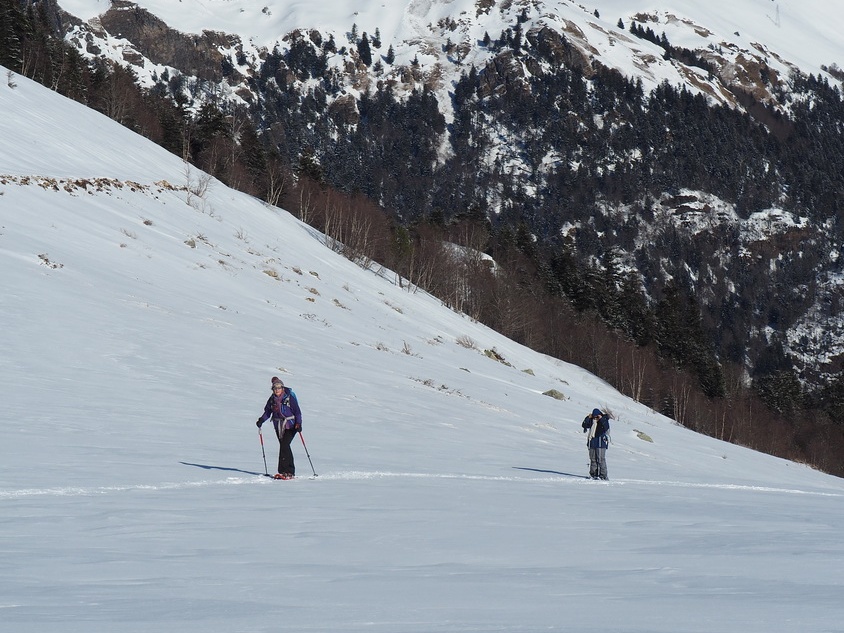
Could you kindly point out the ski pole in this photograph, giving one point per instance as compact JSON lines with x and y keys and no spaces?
{"x":261,"y":437}
{"x":302,"y":437}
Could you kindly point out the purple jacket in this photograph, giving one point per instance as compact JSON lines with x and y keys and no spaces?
{"x":284,"y":410}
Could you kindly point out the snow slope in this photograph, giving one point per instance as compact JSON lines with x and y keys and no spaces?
{"x":141,"y":319}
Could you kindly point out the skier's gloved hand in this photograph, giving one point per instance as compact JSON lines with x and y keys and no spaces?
{"x":298,"y":427}
{"x":259,"y":423}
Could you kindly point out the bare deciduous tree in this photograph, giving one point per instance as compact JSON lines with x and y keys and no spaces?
{"x":278,"y":180}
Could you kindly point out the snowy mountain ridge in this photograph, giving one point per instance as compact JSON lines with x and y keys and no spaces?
{"x":445,"y":38}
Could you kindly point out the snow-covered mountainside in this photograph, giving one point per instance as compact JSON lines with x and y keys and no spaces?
{"x":737,"y":38}
{"x":143,"y":309}
{"x":742,"y":55}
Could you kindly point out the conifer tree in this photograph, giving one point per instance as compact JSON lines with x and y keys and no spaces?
{"x":364,"y":51}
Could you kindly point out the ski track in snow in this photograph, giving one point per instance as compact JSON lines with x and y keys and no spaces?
{"x":259,"y":478}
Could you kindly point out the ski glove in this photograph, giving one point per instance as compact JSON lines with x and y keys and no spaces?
{"x":298,"y":427}
{"x":259,"y":423}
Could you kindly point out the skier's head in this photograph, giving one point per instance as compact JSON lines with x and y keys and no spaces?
{"x":596,"y":413}
{"x":277,"y":384}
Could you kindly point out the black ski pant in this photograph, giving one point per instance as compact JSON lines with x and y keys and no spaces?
{"x":285,"y":453}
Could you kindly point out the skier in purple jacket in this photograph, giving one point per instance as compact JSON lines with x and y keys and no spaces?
{"x":283,"y":408}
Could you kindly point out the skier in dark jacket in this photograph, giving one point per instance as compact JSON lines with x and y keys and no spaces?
{"x":283,"y":408}
{"x":597,"y":425}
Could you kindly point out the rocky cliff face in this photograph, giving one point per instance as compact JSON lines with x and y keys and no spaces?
{"x":145,"y":41}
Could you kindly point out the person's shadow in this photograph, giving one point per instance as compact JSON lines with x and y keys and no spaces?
{"x":231,"y":470}
{"x":551,"y":472}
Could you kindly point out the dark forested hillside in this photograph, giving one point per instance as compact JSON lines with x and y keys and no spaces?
{"x":617,"y":217}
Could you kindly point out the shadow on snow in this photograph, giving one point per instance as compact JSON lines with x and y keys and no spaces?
{"x":551,"y":472}
{"x":232,"y":470}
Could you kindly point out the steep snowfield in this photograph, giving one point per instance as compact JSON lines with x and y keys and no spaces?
{"x":140,"y":324}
